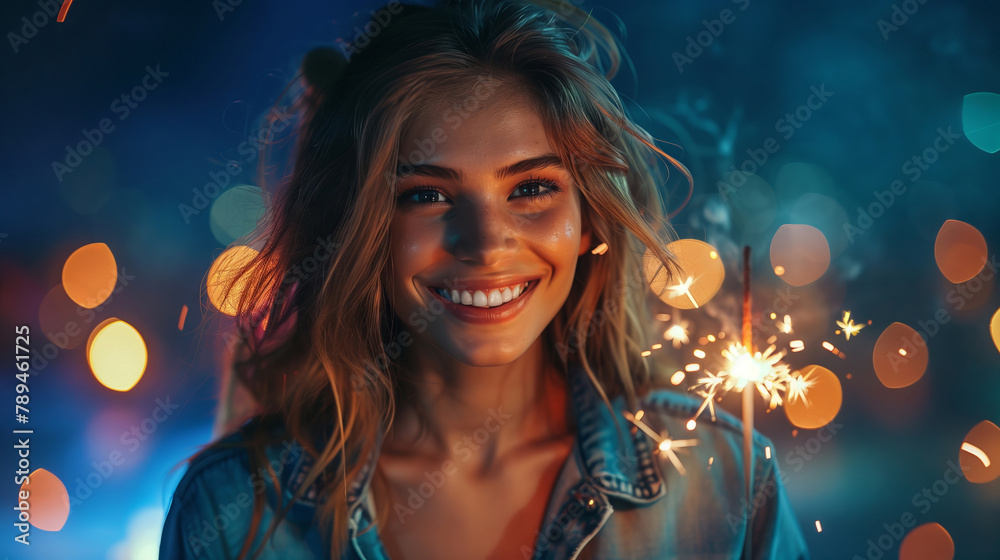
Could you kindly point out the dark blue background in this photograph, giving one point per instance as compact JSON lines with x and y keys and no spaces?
{"x":890,"y":95}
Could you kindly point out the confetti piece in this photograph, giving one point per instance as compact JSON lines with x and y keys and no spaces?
{"x":184,"y":314}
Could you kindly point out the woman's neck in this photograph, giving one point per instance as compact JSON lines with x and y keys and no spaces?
{"x":488,"y":411}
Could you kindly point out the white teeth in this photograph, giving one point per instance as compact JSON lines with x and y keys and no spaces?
{"x":495,"y":298}
{"x":480,"y":298}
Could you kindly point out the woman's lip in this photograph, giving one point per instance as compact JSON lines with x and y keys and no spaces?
{"x":481,"y":315}
{"x":486,"y":290}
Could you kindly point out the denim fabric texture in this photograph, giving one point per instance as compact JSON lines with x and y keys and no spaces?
{"x":613,"y":499}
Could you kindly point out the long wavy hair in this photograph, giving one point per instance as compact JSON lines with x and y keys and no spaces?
{"x":314,"y":318}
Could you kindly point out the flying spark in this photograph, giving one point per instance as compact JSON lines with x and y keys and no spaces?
{"x":684,"y":289}
{"x":848,"y":327}
{"x":664,"y":443}
{"x":677,"y":333}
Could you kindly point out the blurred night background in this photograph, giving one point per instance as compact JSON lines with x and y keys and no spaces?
{"x":893,"y":77}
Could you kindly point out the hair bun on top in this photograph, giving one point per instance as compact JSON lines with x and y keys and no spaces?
{"x":322,"y":67}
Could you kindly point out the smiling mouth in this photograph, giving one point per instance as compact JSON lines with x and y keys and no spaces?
{"x":495,"y":297}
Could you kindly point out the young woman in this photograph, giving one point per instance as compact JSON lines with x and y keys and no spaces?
{"x":439,"y":360}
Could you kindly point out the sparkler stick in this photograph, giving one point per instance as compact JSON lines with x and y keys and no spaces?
{"x":747,"y":391}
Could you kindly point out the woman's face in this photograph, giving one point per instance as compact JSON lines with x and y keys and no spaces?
{"x":484,"y":212}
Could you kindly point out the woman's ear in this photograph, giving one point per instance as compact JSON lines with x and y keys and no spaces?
{"x":587,"y":233}
{"x":585,"y":241}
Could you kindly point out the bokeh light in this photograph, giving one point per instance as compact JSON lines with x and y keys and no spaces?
{"x":48,"y":500}
{"x":960,"y":251}
{"x":979,"y":456}
{"x":981,"y":120}
{"x":221,"y":274}
{"x":929,"y":541}
{"x":236,"y":212}
{"x":89,"y":275}
{"x":900,"y":356}
{"x":116,"y":354}
{"x":142,"y":539}
{"x":700,"y":276}
{"x":802,"y":252}
{"x":821,"y":402}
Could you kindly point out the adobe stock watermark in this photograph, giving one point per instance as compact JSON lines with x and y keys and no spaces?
{"x":48,"y":10}
{"x":787,"y":126}
{"x":210,"y":529}
{"x":898,"y":17}
{"x":696,"y":44}
{"x":224,"y":7}
{"x":577,"y":338}
{"x":130,"y":439}
{"x":914,"y":168}
{"x":323,"y":250}
{"x":923,"y":501}
{"x":419,"y":320}
{"x":454,"y":116}
{"x":218,"y":180}
{"x":363,"y":35}
{"x":586,"y":496}
{"x":122,"y":107}
{"x":435,"y":479}
{"x":797,"y":458}
{"x":959,"y":296}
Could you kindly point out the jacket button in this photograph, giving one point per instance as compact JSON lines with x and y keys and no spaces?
{"x":588,"y":502}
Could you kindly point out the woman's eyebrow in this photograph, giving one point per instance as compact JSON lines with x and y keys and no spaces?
{"x":523,"y":166}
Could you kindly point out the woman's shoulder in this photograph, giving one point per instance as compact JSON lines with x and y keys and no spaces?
{"x":711,"y":455}
{"x":710,"y":485}
{"x":211,"y":511}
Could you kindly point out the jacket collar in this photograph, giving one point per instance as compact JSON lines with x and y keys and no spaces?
{"x":616,"y":458}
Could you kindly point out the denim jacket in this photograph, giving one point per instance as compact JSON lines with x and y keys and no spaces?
{"x":615,"y":498}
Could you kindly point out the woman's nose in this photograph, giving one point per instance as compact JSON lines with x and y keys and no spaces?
{"x":482,"y":233}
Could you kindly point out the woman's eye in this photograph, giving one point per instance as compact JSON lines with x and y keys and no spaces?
{"x":421,"y":196}
{"x":534,"y":189}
